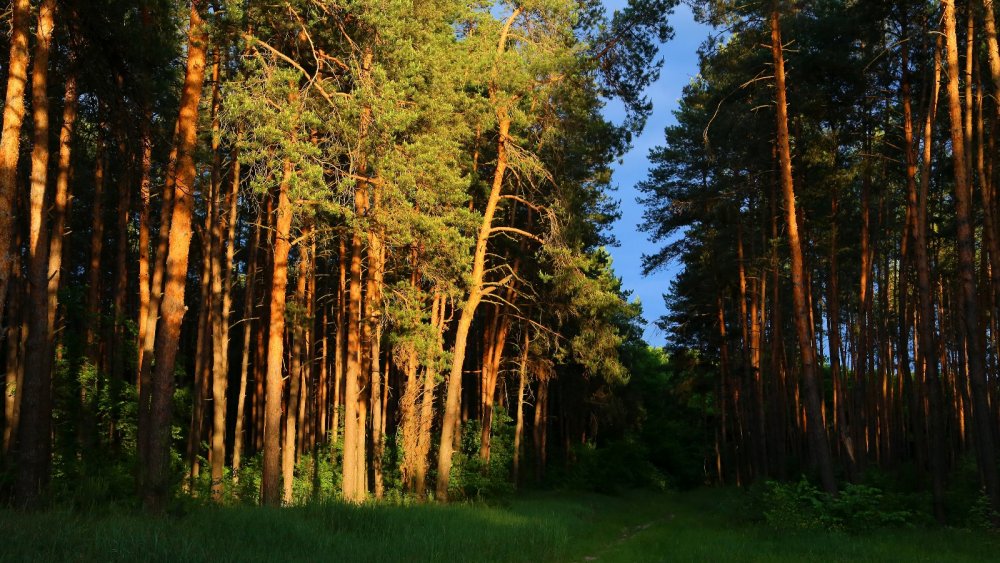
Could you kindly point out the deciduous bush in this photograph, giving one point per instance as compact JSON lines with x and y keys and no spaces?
{"x":801,"y":506}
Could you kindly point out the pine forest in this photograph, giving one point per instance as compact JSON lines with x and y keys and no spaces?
{"x":356,"y":279}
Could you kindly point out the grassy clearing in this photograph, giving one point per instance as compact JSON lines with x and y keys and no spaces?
{"x":639,"y":526}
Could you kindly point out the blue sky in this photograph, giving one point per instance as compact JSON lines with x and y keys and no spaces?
{"x":680,"y":64}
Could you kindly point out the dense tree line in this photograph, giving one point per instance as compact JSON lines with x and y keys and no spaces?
{"x":244,"y":241}
{"x":829,"y":189}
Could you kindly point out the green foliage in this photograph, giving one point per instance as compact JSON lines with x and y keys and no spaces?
{"x":660,"y":416}
{"x":801,"y":506}
{"x":616,"y":467}
{"x":981,"y":515}
{"x":317,"y":477}
{"x":966,"y":502}
{"x":798,"y":505}
{"x":247,"y":488}
{"x":471,"y":477}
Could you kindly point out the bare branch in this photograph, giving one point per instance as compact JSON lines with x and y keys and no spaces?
{"x":517,"y":231}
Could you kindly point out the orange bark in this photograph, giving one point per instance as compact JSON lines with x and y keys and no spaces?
{"x":271,"y":478}
{"x":983,"y":433}
{"x":35,"y":427}
{"x":172,"y":308}
{"x":810,"y":378}
{"x":10,"y":140}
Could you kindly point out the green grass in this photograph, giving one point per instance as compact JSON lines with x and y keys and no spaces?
{"x":638,"y":526}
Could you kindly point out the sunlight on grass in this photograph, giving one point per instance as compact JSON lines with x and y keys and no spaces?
{"x":638,"y":526}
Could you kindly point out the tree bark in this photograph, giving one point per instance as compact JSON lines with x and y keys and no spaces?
{"x":60,"y":206}
{"x":356,"y":388}
{"x":373,"y":312}
{"x":117,"y":340}
{"x":13,"y":376}
{"x":35,"y":428}
{"x":157,"y":484}
{"x":340,"y":339}
{"x":248,"y":321}
{"x":271,"y":479}
{"x":992,"y":235}
{"x":219,"y":311}
{"x":983,"y":434}
{"x":145,"y":198}
{"x":522,"y":379}
{"x":541,"y":426}
{"x":925,"y":296}
{"x":10,"y":139}
{"x":354,"y":430}
{"x":810,"y":379}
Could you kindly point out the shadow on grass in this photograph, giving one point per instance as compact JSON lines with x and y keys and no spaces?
{"x":702,"y":525}
{"x":309,"y":533}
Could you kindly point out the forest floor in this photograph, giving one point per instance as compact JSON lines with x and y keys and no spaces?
{"x":708,"y":525}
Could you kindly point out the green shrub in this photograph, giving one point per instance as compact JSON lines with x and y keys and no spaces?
{"x":801,"y":506}
{"x":795,"y":506}
{"x":473,"y":478}
{"x":861,"y":507}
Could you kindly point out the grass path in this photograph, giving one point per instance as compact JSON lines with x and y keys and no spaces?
{"x":578,"y":527}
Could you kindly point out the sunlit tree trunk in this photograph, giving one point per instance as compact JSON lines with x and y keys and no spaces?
{"x":983,"y":434}
{"x":373,"y":312}
{"x":146,"y":353}
{"x":271,"y":478}
{"x":353,"y":429}
{"x":476,"y":288}
{"x":201,"y":390}
{"x":145,"y":197}
{"x":339,"y":339}
{"x":810,"y":378}
{"x":491,"y":364}
{"x":356,"y":389}
{"x":172,"y":307}
{"x":10,"y":140}
{"x":986,"y":181}
{"x":264,"y":332}
{"x":13,"y":374}
{"x":323,"y":380}
{"x":35,"y":427}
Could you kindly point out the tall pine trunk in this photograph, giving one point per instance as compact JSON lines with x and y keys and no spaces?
{"x":969,"y":306}
{"x":248,"y":323}
{"x":60,"y":208}
{"x":219,"y":312}
{"x":157,"y":483}
{"x":35,"y":427}
{"x":271,"y":478}
{"x":10,"y":139}
{"x":295,"y":381}
{"x":810,"y":378}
